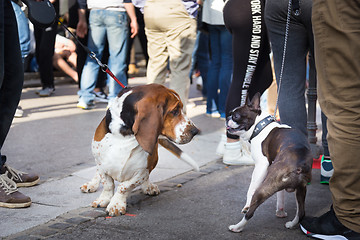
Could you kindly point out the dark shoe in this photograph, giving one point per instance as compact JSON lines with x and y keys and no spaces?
{"x":10,"y":197}
{"x":101,"y":97}
{"x":21,"y":179}
{"x":327,"y":226}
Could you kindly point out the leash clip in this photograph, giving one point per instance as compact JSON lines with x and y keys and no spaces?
{"x":93,"y":56}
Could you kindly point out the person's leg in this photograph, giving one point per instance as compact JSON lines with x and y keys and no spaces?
{"x":23,"y":30}
{"x":45,"y":42}
{"x":11,"y":82}
{"x":11,"y":70}
{"x":141,"y":33}
{"x":96,"y":42}
{"x":226,"y":68}
{"x":180,"y":37}
{"x":170,"y":32}
{"x":337,"y":46}
{"x":194,"y":55}
{"x":117,"y":35}
{"x":291,"y":98}
{"x":154,"y":15}
{"x":203,"y":59}
{"x":212,"y":85}
{"x":60,"y":64}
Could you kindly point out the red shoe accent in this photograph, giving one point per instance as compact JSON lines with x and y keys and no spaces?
{"x":317,"y":163}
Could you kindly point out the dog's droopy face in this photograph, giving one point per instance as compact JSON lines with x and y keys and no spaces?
{"x":148,"y":111}
{"x":242,"y":118}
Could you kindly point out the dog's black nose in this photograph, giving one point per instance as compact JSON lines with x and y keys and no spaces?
{"x":195,"y":131}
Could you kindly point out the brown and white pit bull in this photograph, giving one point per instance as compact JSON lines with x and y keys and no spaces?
{"x":282,"y":156}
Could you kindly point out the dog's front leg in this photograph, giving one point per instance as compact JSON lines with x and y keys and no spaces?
{"x":150,"y":188}
{"x":117,"y":205}
{"x":238,"y":227}
{"x":93,"y":185}
{"x":257,"y":178}
{"x":300,"y":207}
{"x":107,"y":193}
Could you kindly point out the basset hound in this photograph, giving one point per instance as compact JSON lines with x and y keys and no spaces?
{"x":125,"y":144}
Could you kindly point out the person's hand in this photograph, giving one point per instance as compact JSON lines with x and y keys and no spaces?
{"x":82,"y":27}
{"x":134,"y":28}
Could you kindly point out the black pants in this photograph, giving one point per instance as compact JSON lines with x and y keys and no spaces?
{"x":11,"y":69}
{"x":252,"y":66}
{"x":45,"y":43}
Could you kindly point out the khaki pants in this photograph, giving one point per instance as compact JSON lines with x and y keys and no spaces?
{"x":171,"y":35}
{"x":336,"y":25}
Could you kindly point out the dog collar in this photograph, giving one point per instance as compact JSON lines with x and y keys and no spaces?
{"x":261,"y":125}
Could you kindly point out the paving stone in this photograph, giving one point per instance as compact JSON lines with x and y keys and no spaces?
{"x":43,"y":231}
{"x":77,"y":220}
{"x":94,"y":213}
{"x":60,"y":226}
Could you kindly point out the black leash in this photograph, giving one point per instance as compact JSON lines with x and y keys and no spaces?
{"x":92,"y":55}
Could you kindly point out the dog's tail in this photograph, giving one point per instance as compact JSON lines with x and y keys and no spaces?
{"x":171,"y":147}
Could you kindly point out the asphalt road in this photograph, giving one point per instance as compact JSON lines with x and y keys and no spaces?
{"x":202,"y":208}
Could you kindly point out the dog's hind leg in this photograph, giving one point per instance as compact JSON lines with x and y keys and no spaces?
{"x":280,"y":204}
{"x":300,"y":207}
{"x":93,"y":185}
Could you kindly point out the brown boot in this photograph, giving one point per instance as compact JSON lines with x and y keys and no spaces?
{"x":10,"y":197}
{"x":20,"y":178}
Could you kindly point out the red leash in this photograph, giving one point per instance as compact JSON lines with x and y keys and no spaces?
{"x":92,"y":55}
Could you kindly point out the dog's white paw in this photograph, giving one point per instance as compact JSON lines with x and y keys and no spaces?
{"x":116,"y":208}
{"x":151,"y":189}
{"x":88,"y":188}
{"x":290,"y":224}
{"x":100,"y":203}
{"x":235,"y":228}
{"x":280,"y":213}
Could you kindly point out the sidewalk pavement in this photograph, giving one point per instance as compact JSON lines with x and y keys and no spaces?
{"x":54,"y":137}
{"x":43,"y":144}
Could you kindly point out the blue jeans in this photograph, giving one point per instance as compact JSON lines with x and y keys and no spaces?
{"x":113,"y":27}
{"x":23,"y":30}
{"x":200,"y":58}
{"x":220,"y":70}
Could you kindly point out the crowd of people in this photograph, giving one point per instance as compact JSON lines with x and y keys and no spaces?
{"x":229,"y":45}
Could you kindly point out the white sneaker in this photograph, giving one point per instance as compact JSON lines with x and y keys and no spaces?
{"x":221,"y":146}
{"x":19,"y":112}
{"x":237,"y":153}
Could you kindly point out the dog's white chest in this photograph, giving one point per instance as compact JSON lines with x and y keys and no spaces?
{"x":119,"y":156}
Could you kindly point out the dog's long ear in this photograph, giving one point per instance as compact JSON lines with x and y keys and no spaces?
{"x":147,"y":125}
{"x":255,"y":102}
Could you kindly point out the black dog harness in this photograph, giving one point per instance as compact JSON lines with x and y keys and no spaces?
{"x":261,"y":125}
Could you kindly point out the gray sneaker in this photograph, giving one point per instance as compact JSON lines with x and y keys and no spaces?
{"x":10,"y":197}
{"x":46,"y":92}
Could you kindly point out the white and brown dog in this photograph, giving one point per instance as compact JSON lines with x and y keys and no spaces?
{"x":282,"y":156}
{"x":125,"y":144}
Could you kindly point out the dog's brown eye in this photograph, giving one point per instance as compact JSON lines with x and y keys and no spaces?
{"x":175,"y":112}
